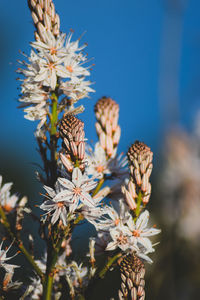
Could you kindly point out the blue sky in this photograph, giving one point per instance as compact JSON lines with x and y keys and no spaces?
{"x":146,"y":55}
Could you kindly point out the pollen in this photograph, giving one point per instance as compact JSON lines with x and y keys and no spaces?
{"x":51,"y":66}
{"x":117,"y":222}
{"x":60,"y":204}
{"x":122,"y":239}
{"x":7,"y":207}
{"x":100,"y":169}
{"x":77,"y":191}
{"x":69,"y":68}
{"x":136,"y":233}
{"x":53,"y":50}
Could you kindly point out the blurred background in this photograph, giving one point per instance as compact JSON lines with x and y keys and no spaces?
{"x":147,"y":58}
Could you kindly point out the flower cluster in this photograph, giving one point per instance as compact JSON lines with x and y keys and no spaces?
{"x":83,"y":184}
{"x":118,"y":228}
{"x":69,"y":195}
{"x":76,"y":193}
{"x":55,"y":62}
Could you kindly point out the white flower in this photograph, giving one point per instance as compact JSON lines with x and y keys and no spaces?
{"x":92,"y":214}
{"x":50,"y":67}
{"x":97,"y":162}
{"x":118,"y":216}
{"x":3,"y":259}
{"x":118,"y":166}
{"x":76,"y":274}
{"x":7,"y":200}
{"x":122,"y":238}
{"x":52,"y":60}
{"x":37,"y":112}
{"x":68,"y":196}
{"x":56,"y":205}
{"x":51,"y":45}
{"x":140,"y":231}
{"x":34,"y":290}
{"x":76,"y":88}
{"x":73,"y":67}
{"x":109,"y":217}
{"x":72,"y":47}
{"x":76,"y":191}
{"x":32,"y":93}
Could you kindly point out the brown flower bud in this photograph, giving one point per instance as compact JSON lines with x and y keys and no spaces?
{"x":72,"y":132}
{"x":132,"y":276}
{"x":140,"y":161}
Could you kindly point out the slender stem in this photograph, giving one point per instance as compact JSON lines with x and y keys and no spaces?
{"x":139,"y":201}
{"x":48,"y":287}
{"x":52,"y":253}
{"x":111,"y":260}
{"x":53,"y":139}
{"x":51,"y":262}
{"x":54,"y":114}
{"x":99,"y":185}
{"x":19,"y":243}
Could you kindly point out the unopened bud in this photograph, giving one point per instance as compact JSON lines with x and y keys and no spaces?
{"x":108,"y":130}
{"x":72,"y":132}
{"x":140,"y":162}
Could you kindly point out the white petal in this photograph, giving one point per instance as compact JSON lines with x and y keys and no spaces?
{"x":41,"y":76}
{"x":150,"y":232}
{"x":142,"y":221}
{"x":87,"y":199}
{"x":50,"y":191}
{"x":77,"y":177}
{"x":53,"y":80}
{"x":146,"y":243}
{"x":55,"y":216}
{"x":6,"y":187}
{"x":145,"y":257}
{"x":66,"y":183}
{"x":65,"y":195}
{"x":111,"y":246}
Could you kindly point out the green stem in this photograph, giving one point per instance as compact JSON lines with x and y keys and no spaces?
{"x":51,"y":262}
{"x":54,"y":114}
{"x":108,"y":265}
{"x":99,"y":185}
{"x":139,"y":201}
{"x":53,"y":139}
{"x":19,"y":243}
{"x":48,"y":287}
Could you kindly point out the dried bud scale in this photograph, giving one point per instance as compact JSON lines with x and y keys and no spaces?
{"x":132,"y":275}
{"x":108,"y":130}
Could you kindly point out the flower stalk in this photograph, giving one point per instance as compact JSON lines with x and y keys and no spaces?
{"x":110,"y":262}
{"x":54,"y":114}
